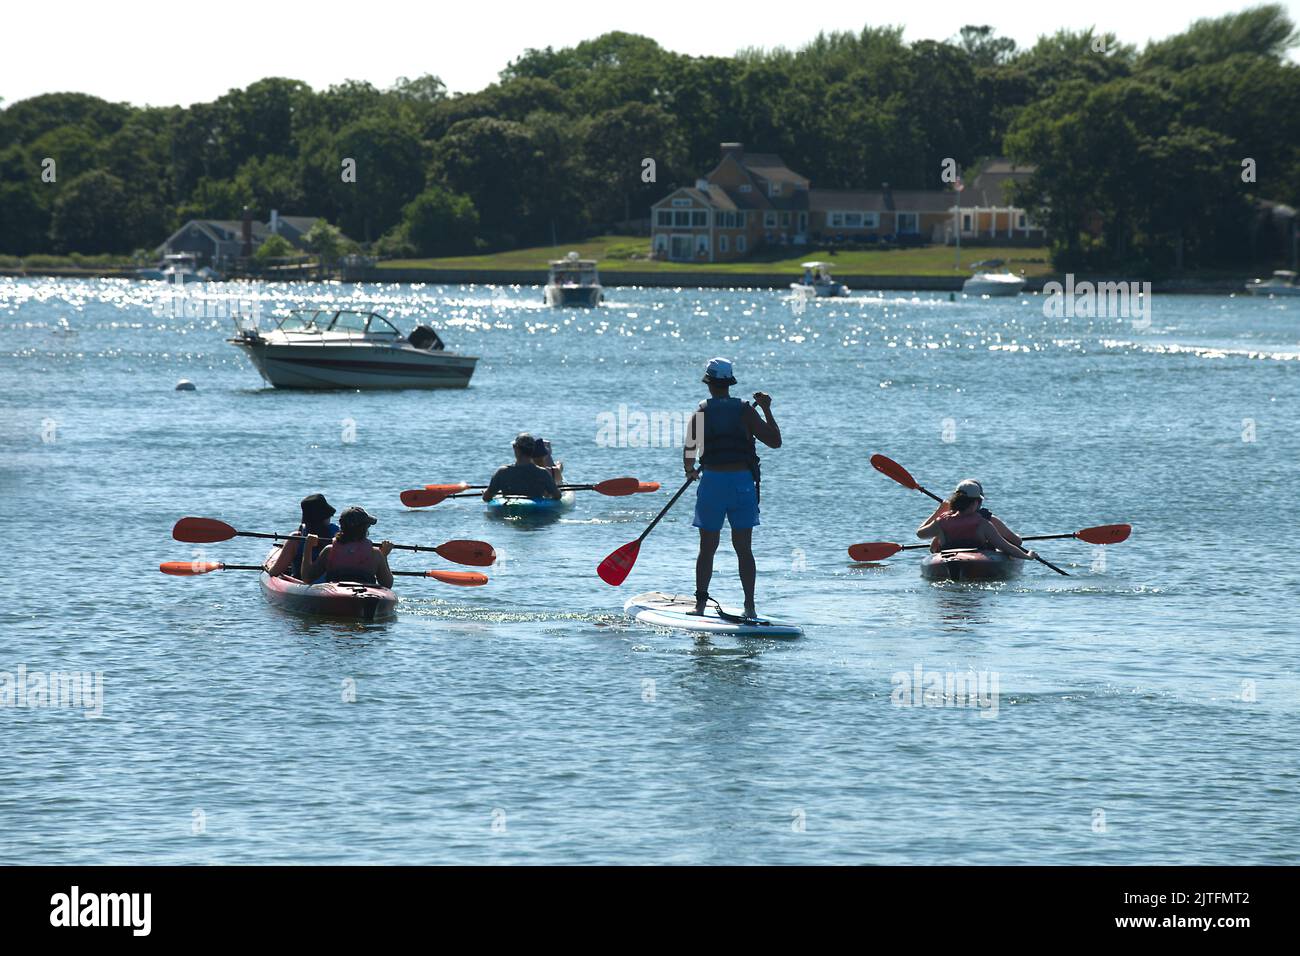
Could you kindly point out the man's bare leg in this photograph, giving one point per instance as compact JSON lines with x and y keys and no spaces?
{"x":742,"y":540}
{"x":704,"y":566}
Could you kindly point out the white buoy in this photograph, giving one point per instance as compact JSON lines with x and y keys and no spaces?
{"x":185,"y":385}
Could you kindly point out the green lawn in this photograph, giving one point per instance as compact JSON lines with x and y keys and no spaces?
{"x":613,"y":251}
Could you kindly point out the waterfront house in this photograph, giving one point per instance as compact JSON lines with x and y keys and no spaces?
{"x":751,"y":200}
{"x":221,"y":242}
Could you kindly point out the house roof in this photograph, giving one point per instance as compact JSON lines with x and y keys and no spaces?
{"x":771,"y":167}
{"x":300,"y":223}
{"x":851,"y":200}
{"x":989,"y":186}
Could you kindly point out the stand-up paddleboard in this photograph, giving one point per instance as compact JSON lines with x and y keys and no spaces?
{"x":677,"y":611}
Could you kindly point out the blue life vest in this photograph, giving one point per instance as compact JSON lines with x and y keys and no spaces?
{"x":330,"y":531}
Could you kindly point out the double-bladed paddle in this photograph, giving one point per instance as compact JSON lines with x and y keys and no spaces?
{"x":618,"y":564}
{"x":478,"y":554}
{"x":185,"y":569}
{"x":1102,"y":534}
{"x":433,"y":494}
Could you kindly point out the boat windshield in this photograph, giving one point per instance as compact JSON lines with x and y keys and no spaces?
{"x":370,"y":323}
{"x":299,"y":320}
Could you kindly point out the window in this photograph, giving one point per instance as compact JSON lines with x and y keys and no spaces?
{"x":661,"y":242}
{"x":870,"y":220}
{"x":965,"y":222}
{"x":740,"y":220}
{"x":702,"y":244}
{"x":681,"y":202}
{"x":853,"y":220}
{"x":699,"y":218}
{"x":769,"y":219}
{"x":664,"y":217}
{"x":774,"y":189}
{"x":1021,"y":222}
{"x":837,"y":219}
{"x":740,"y":243}
{"x":908,"y":224}
{"x":682,"y":217}
{"x":722,"y":242}
{"x":745,"y":188}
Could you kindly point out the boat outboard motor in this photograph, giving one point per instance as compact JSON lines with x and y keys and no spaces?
{"x":423,"y":337}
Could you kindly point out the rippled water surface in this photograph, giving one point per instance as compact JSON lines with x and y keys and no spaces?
{"x":1146,"y":706}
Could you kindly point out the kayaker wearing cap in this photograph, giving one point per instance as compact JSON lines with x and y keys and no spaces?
{"x":316,"y":514}
{"x":351,"y":556}
{"x":721,"y":435}
{"x":959,"y":523}
{"x":523,"y":479}
{"x":543,"y":458}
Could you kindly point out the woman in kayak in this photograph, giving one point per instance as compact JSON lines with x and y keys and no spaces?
{"x":523,"y":479}
{"x":351,"y":556}
{"x":316,"y":514}
{"x":721,"y":436}
{"x":960,"y":523}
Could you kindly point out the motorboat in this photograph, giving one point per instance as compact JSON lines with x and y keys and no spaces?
{"x":178,"y":268}
{"x":1281,"y":282}
{"x":343,"y":348}
{"x":573,"y":281}
{"x":993,"y":284}
{"x":817,"y":282}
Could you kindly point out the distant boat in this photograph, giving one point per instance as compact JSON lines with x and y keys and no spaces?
{"x":178,"y":268}
{"x":333,"y":348}
{"x":1281,"y":282}
{"x":993,"y":284}
{"x":573,"y":281}
{"x":817,"y":282}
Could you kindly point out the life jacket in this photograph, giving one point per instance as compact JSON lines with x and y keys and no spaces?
{"x":354,"y":561}
{"x":962,"y":531}
{"x":325,"y":537}
{"x":726,"y":440}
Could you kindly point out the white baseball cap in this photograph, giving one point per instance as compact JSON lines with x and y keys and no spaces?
{"x":719,"y":371}
{"x":970,"y":488}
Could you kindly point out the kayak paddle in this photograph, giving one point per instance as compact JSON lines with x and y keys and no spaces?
{"x":185,"y":569}
{"x":210,"y":530}
{"x":618,"y":564}
{"x":892,"y":469}
{"x":1102,"y":534}
{"x":433,"y":494}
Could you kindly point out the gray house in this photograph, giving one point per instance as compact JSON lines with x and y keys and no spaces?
{"x":219,"y":242}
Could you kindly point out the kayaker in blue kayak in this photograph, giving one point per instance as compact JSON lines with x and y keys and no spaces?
{"x":523,"y":479}
{"x":316,"y":514}
{"x":351,"y":556}
{"x":960,"y":522}
{"x":543,"y":458}
{"x":720,"y":440}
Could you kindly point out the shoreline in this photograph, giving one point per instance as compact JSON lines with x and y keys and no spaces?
{"x":685,"y":280}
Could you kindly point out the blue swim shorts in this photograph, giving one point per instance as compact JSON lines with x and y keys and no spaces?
{"x":729,"y":495}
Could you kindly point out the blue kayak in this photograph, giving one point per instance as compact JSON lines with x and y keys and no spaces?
{"x":508,"y":506}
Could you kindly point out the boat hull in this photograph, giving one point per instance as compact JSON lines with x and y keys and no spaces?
{"x":350,"y":366}
{"x":978,"y":285}
{"x":969,"y":565}
{"x":585,"y":296}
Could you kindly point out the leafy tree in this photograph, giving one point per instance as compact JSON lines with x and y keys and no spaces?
{"x":274,"y":247}
{"x":438,"y":223}
{"x":90,"y":214}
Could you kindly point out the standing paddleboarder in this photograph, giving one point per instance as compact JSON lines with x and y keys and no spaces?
{"x":721,"y":437}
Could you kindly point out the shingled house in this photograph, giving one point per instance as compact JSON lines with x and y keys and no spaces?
{"x":754,"y":199}
{"x":218,"y":242}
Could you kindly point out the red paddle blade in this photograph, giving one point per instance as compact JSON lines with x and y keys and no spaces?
{"x":618,"y":487}
{"x":185,"y":569}
{"x":202,"y":531}
{"x":647,"y":486}
{"x":874,"y":551}
{"x":477,"y":554}
{"x":1105,"y":534}
{"x":422,"y":498}
{"x":892,"y":469}
{"x":450,"y":489}
{"x":466,"y":579}
{"x":616,"y":567}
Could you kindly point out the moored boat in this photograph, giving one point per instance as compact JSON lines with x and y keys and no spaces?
{"x":1281,"y":282}
{"x":342,"y":348}
{"x":573,"y":281}
{"x":993,"y":284}
{"x":817,"y":282}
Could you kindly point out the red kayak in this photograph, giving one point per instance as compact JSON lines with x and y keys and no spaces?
{"x":362,"y":602}
{"x":969,"y":565}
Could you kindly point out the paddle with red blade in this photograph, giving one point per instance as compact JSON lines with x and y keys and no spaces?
{"x":642,"y":487}
{"x":892,"y":469}
{"x":186,"y":569}
{"x":618,"y":564}
{"x":478,"y":554}
{"x":430,"y":496}
{"x":1102,"y":534}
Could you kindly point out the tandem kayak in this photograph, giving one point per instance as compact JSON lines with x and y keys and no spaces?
{"x":511,"y":506}
{"x":677,"y":611}
{"x":350,"y":599}
{"x":969,"y":565}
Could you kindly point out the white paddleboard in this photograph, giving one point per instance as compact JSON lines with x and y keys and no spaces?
{"x":677,"y":611}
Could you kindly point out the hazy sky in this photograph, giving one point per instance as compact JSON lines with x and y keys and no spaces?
{"x":193,"y":52}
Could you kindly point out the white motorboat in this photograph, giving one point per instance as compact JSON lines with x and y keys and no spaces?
{"x":817,"y":282}
{"x":993,"y":284}
{"x":573,"y":281}
{"x":341,"y":348}
{"x":178,"y":268}
{"x":1281,"y":282}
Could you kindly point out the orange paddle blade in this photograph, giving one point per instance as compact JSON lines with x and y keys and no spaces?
{"x":202,"y":530}
{"x":450,"y":489}
{"x":647,"y":486}
{"x":874,"y":551}
{"x":616,"y":567}
{"x":478,"y":554}
{"x":422,"y":497}
{"x":466,"y":579}
{"x":892,"y":469}
{"x":1105,"y":534}
{"x":185,"y":569}
{"x":618,"y":487}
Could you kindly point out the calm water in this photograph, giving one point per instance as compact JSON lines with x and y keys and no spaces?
{"x":1147,"y":706}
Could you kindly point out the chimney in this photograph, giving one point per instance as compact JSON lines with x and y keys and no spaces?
{"x":275,"y":222}
{"x":702,"y":185}
{"x":247,"y":250}
{"x":889,"y":195}
{"x":733,"y":149}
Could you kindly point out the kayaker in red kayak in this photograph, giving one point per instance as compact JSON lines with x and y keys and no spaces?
{"x":721,"y":436}
{"x":316,"y":514}
{"x":351,"y":556}
{"x":961,"y":523}
{"x":543,"y":458}
{"x":523,"y":479}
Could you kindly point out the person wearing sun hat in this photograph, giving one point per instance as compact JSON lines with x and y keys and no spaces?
{"x":316,"y":514}
{"x":351,"y":556}
{"x":720,"y":448}
{"x":961,"y":522}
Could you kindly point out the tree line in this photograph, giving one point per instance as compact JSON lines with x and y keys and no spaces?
{"x":1139,"y":153}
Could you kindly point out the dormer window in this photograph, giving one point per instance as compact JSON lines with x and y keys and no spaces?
{"x":774,"y":189}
